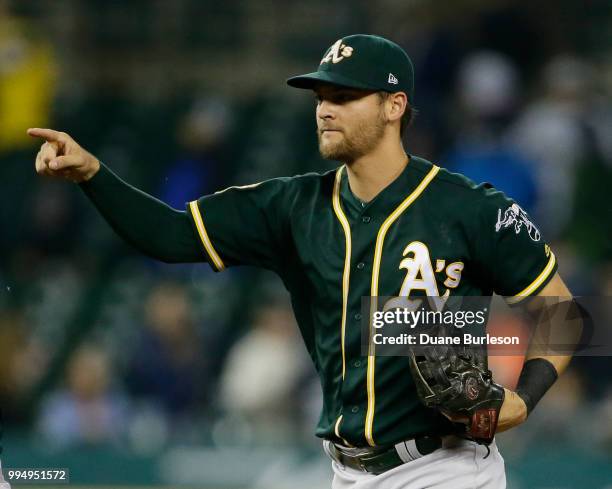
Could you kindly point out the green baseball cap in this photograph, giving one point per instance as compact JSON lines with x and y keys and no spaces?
{"x":362,"y":61}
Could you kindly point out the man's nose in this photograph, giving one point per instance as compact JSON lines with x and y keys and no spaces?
{"x":325,"y":110}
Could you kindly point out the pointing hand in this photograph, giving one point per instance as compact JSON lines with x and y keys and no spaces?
{"x":61,"y":156}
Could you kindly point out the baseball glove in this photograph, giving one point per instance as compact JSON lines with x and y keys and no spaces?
{"x":455,"y":380}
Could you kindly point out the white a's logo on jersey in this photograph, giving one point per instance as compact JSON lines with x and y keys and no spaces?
{"x":419,"y":276}
{"x":337,"y":53}
{"x":517,"y":217}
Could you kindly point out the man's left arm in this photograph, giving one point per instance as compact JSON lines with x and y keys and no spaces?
{"x":542,"y":368}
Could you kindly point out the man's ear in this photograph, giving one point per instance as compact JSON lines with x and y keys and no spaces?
{"x":397,"y":104}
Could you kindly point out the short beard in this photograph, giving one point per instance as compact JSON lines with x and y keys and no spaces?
{"x":363,"y":140}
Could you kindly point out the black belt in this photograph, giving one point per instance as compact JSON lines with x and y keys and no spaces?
{"x":377,"y":460}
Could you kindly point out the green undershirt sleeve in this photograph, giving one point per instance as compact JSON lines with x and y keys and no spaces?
{"x":148,"y":224}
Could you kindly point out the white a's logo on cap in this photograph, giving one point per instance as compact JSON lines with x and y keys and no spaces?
{"x":392,"y":79}
{"x":337,"y":53}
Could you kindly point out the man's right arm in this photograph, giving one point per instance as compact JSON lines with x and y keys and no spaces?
{"x":145,"y":222}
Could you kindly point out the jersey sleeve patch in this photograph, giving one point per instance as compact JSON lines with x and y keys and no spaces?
{"x":516,"y":218}
{"x":510,"y":252}
{"x":215,"y":259}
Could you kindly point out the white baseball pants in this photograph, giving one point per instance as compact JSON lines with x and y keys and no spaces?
{"x":459,"y":466}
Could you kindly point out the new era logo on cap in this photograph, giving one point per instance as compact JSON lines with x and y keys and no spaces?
{"x":392,"y":79}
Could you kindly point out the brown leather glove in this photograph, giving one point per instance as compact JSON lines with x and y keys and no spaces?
{"x":456,"y":381}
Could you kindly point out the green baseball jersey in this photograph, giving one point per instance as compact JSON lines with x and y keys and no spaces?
{"x":429,"y":232}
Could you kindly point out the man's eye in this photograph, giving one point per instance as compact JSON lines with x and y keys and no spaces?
{"x":343,"y":98}
{"x":339,"y":98}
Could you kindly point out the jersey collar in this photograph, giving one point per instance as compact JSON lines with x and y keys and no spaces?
{"x":391,"y":196}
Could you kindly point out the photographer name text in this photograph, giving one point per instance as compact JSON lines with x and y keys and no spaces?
{"x":425,"y":339}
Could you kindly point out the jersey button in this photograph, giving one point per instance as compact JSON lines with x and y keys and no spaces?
{"x":355,"y":409}
{"x":366,"y":219}
{"x":357,"y":364}
{"x":357,"y":317}
{"x":360,"y":266}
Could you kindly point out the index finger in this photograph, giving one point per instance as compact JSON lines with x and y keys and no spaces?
{"x":50,"y":135}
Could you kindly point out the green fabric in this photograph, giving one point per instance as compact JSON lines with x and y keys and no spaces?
{"x":288,"y":225}
{"x":363,"y":61}
{"x":148,"y":224}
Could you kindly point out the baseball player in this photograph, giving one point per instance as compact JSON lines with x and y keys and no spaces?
{"x":384,"y":223}
{"x":3,"y":483}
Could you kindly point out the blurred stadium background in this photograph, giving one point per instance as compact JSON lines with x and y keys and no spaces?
{"x":128,"y":371}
